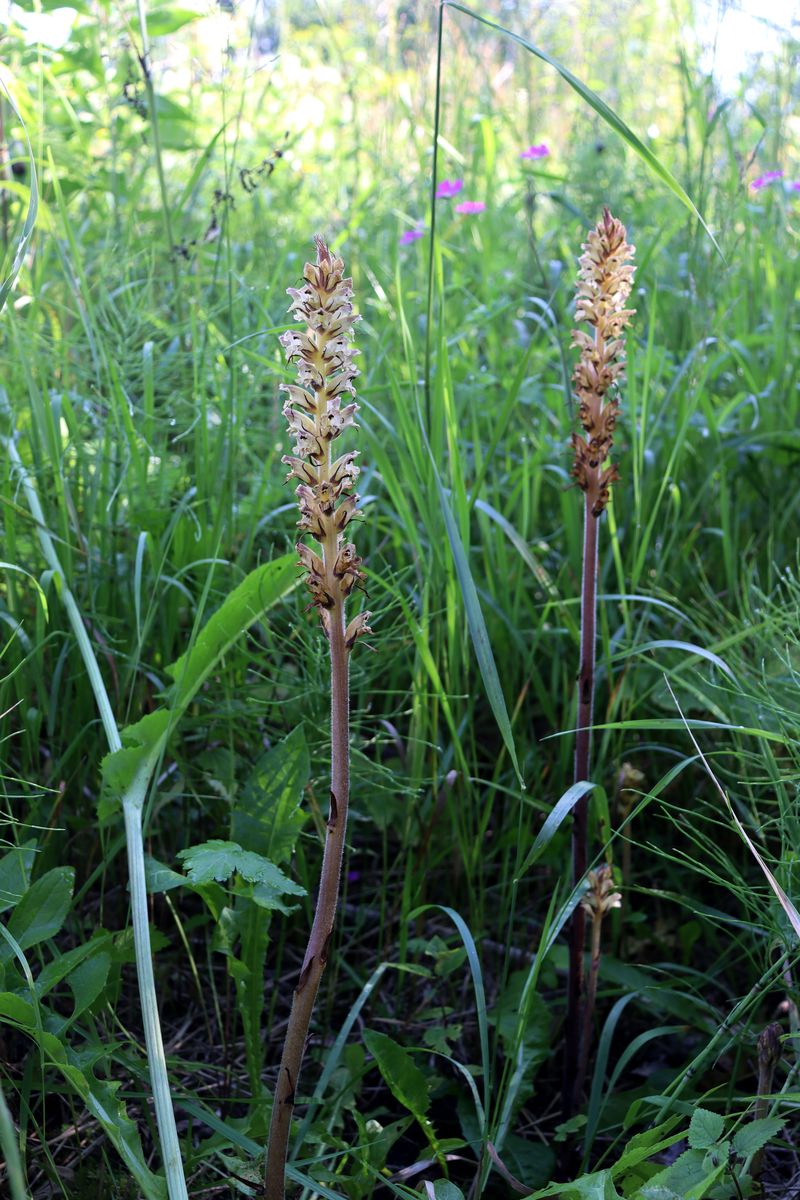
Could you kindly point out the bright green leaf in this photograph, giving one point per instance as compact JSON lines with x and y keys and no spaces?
{"x":218,"y":860}
{"x":753,"y":1137}
{"x":15,"y":874}
{"x":266,"y":815}
{"x":705,"y":1129}
{"x":42,"y":910}
{"x":401,"y":1074}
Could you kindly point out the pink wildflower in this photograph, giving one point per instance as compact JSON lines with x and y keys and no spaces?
{"x":470,"y":206}
{"x":795,"y":185}
{"x":765,"y":179}
{"x":411,"y":235}
{"x":540,"y":151}
{"x":449,"y":188}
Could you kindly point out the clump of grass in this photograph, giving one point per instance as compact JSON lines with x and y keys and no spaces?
{"x":604,"y":285}
{"x":324,"y":355}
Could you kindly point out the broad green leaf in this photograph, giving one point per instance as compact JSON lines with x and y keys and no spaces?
{"x":611,"y":118}
{"x":16,"y":1008}
{"x":705,"y":1128}
{"x":531,"y":1162}
{"x":597,"y":1186}
{"x":144,"y":741}
{"x":42,"y":910}
{"x":163,"y":21}
{"x":266,"y":816}
{"x":15,"y":874}
{"x":753,"y":1137}
{"x":257,"y":592}
{"x":401,"y":1074}
{"x":644,"y":1145}
{"x":218,"y":860}
{"x":59,"y":968}
{"x":103,"y":1103}
{"x":443,"y":1189}
{"x":87,"y":982}
{"x":141,"y":746}
{"x":161,"y":878}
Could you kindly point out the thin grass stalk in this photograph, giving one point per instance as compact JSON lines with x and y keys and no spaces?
{"x":132,"y":806}
{"x":324,"y":354}
{"x":155,"y":132}
{"x":604,"y":284}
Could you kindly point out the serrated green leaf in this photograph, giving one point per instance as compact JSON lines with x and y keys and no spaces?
{"x":218,"y":860}
{"x":266,"y":816}
{"x":401,"y":1074}
{"x":754,"y":1137}
{"x":705,"y":1128}
{"x":42,"y":910}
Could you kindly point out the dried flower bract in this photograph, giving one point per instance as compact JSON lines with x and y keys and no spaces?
{"x":604,"y":284}
{"x":319,"y":409}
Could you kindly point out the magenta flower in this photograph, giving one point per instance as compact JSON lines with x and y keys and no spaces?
{"x":795,"y":185}
{"x":449,"y":188}
{"x":765,"y":179}
{"x":470,"y":206}
{"x":540,"y":151}
{"x":411,"y":235}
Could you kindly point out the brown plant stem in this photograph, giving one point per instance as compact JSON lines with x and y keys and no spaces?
{"x":604,"y":284}
{"x":583,"y":743}
{"x":316,"y":955}
{"x":591,"y":996}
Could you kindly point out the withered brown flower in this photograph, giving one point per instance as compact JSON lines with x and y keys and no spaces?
{"x":318,"y":411}
{"x":604,"y":284}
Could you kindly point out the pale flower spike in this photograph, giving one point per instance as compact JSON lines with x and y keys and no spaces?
{"x":604,"y":285}
{"x":324,"y":355}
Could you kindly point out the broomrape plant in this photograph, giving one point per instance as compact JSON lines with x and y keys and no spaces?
{"x":317,"y":416}
{"x":604,"y":285}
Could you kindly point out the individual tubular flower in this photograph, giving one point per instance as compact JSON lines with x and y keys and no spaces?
{"x":604,"y":284}
{"x":317,"y":416}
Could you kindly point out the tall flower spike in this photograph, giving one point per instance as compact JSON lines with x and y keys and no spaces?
{"x":324,"y":355}
{"x":604,"y":284}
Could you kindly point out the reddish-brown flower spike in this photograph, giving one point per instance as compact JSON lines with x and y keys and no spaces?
{"x":604,"y":284}
{"x":324,"y":356}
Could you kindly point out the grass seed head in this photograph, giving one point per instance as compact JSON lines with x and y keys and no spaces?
{"x":324,"y":354}
{"x":605,"y":279}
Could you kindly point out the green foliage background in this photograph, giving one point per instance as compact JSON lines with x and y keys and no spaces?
{"x":140,"y":376}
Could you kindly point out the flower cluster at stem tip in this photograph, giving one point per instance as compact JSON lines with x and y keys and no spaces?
{"x":605,"y":280}
{"x":324,"y":355}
